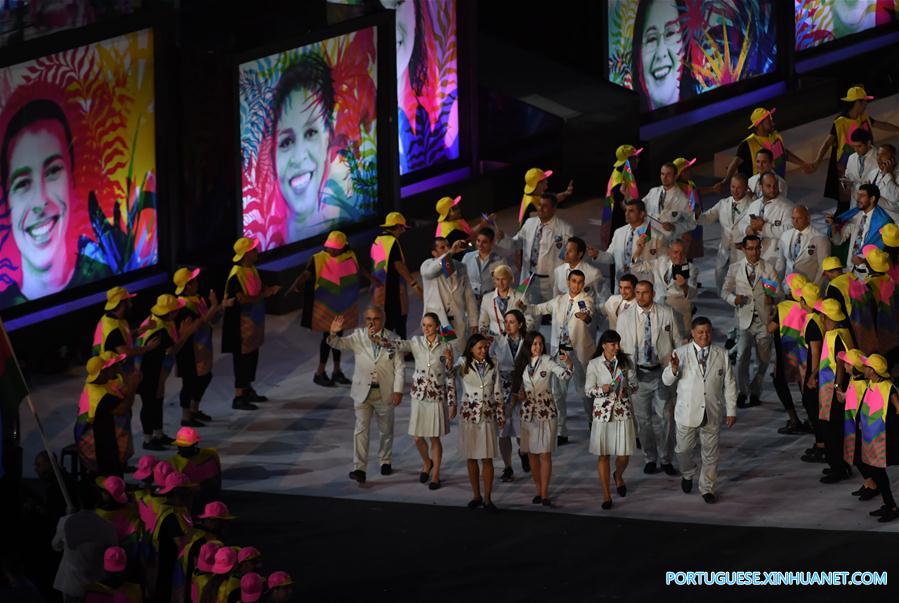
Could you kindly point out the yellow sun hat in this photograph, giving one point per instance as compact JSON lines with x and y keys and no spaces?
{"x":243,"y":246}
{"x":115,"y":296}
{"x":831,"y":309}
{"x":759,"y":115}
{"x":444,"y":205}
{"x":182,"y":277}
{"x":166,"y":304}
{"x":394,"y":218}
{"x":857,"y":93}
{"x":533,"y":177}
{"x":878,"y":363}
{"x":877,"y":258}
{"x":890,"y":234}
{"x":832,"y":263}
{"x":852,"y":357}
{"x":336,"y":240}
{"x":625,"y":152}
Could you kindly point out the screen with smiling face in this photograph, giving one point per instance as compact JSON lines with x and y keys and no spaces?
{"x":672,"y":50}
{"x":822,"y":21}
{"x":77,"y":168}
{"x":308,"y":139}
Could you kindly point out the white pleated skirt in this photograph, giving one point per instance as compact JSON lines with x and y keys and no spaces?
{"x":428,"y":419}
{"x":478,"y":440}
{"x":538,"y":437}
{"x":616,"y":438}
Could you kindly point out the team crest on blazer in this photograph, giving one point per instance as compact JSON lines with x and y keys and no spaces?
{"x":652,"y":252}
{"x":667,"y":327}
{"x":720,"y":372}
{"x":811,"y":250}
{"x":777,"y":222}
{"x":543,"y":374}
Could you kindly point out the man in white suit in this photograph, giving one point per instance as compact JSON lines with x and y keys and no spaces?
{"x":885,"y":176}
{"x":669,"y":206}
{"x":575,"y":249}
{"x":729,"y":213}
{"x":862,"y":161}
{"x":802,"y":248}
{"x":649,"y":333}
{"x":744,"y":289}
{"x":447,"y":291}
{"x":705,"y":391}
{"x":625,"y":248}
{"x":480,"y":262}
{"x":675,"y":281}
{"x":378,"y":380}
{"x":764,"y":162}
{"x":769,"y":217}
{"x":573,"y":331}
{"x":541,"y":240}
{"x":616,"y":305}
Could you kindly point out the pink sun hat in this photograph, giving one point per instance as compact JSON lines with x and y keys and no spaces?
{"x":251,"y":587}
{"x":115,"y":486}
{"x":225,"y":560}
{"x":206,"y":558}
{"x":279,"y":578}
{"x":145,"y":467}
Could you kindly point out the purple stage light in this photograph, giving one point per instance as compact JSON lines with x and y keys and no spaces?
{"x":429,"y":183}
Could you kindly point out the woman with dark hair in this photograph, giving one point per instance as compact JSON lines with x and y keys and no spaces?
{"x":433,"y":395}
{"x":611,"y":380}
{"x":303,"y":114}
{"x":659,"y":55}
{"x":532,"y":386}
{"x":504,"y":349}
{"x":482,"y":411}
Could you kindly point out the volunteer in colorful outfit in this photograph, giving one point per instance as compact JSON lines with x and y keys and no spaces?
{"x":785,"y":327}
{"x":536,"y":183}
{"x":450,"y":224}
{"x":532,"y":383}
{"x":504,"y":348}
{"x":280,"y":587}
{"x":764,"y":136}
{"x":621,"y":188}
{"x":433,"y":395}
{"x":812,"y":335}
{"x":884,"y":298}
{"x":391,"y":274}
{"x":879,"y":432}
{"x":243,"y":329}
{"x":203,"y":570}
{"x":197,"y":549}
{"x":106,"y":394}
{"x":115,"y":586}
{"x":831,"y":373}
{"x":729,"y":213}
{"x":172,"y":523}
{"x":194,"y":359}
{"x":851,"y":396}
{"x":201,"y":465}
{"x":156,"y":364}
{"x":839,"y":141}
{"x":890,"y":235}
{"x":117,"y":508}
{"x":330,"y":283}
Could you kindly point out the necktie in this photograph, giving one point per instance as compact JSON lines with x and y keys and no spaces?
{"x":662,"y":201}
{"x":734,"y":211}
{"x":648,"y":352}
{"x":762,"y":212}
{"x":797,"y":245}
{"x":629,"y":249}
{"x":859,"y":236}
{"x":861,"y":166}
{"x":703,"y":357}
{"x":564,"y":338}
{"x":535,"y":246}
{"x":751,"y":274}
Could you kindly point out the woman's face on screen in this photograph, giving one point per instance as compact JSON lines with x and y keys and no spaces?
{"x":662,"y":53}
{"x":302,"y":152}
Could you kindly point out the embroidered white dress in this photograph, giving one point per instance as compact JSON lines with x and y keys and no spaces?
{"x":480,"y":408}
{"x":539,"y":413}
{"x":433,"y":387}
{"x":613,"y":431}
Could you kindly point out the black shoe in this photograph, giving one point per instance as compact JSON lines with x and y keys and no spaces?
{"x":491,"y":507}
{"x":561,"y":440}
{"x":791,"y":428}
{"x":806,"y":427}
{"x":859,"y":491}
{"x":890,"y":515}
{"x":475,"y":503}
{"x":879,"y":512}
{"x":154,"y":445}
{"x":741,"y":401}
{"x":199,"y":414}
{"x":525,"y":462}
{"x":834,"y":477}
{"x":358,"y":476}
{"x":386,"y":469}
{"x":252,"y":396}
{"x":547,"y":502}
{"x":424,"y":475}
{"x":754,"y":401}
{"x":507,"y":476}
{"x":669,"y":469}
{"x":322,"y":379}
{"x":816,"y":457}
{"x":622,"y":489}
{"x":650,"y":468}
{"x":241,"y":403}
{"x":537,"y":500}
{"x":868,"y":494}
{"x":686,"y":485}
{"x":165,"y":439}
{"x":826,"y":471}
{"x":192,"y":423}
{"x":435,"y":485}
{"x":709,"y":498}
{"x":606,"y":504}
{"x":339,"y":378}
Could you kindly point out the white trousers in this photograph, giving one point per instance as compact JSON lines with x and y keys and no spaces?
{"x":655,"y":417}
{"x":383,"y":411}
{"x":756,"y":336}
{"x":708,"y":448}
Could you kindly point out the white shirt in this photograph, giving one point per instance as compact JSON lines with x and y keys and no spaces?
{"x":592,"y":278}
{"x":618,"y":255}
{"x":675,"y":210}
{"x":778,"y":217}
{"x":480,"y":271}
{"x":613,"y":308}
{"x":855,"y":172}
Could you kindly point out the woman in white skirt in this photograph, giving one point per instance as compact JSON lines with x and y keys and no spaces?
{"x":433,"y":390}
{"x":532,"y":381}
{"x":481,"y":411}
{"x":611,"y":380}
{"x":505,"y":348}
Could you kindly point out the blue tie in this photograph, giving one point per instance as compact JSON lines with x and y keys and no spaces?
{"x":629,"y":249}
{"x":797,"y":245}
{"x":648,"y":352}
{"x":535,"y":247}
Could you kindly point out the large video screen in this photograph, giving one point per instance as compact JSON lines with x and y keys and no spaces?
{"x":822,"y":21}
{"x":427,"y":82}
{"x":308,"y":139}
{"x":77,"y":167}
{"x":673,"y":50}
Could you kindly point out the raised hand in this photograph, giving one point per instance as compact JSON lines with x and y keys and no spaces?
{"x":337,"y":324}
{"x":675,"y":363}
